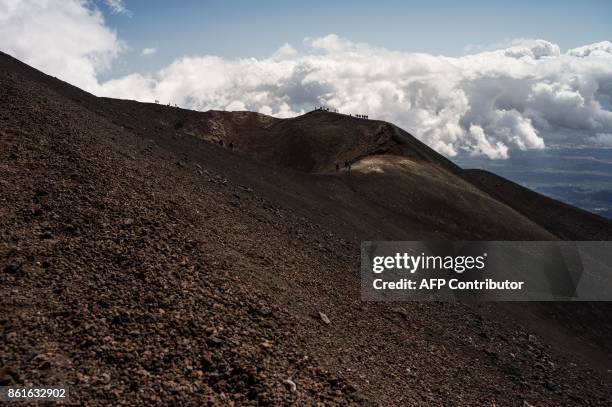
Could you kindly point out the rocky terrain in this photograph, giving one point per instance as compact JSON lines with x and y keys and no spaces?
{"x":144,"y":263}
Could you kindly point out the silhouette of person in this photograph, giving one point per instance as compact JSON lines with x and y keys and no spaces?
{"x":221,"y":143}
{"x":337,"y":167}
{"x":347,"y":165}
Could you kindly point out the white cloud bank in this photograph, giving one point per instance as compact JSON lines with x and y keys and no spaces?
{"x":148,"y":51}
{"x":67,"y":39}
{"x":524,"y":96}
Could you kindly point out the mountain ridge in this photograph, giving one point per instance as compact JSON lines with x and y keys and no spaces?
{"x":281,"y":149}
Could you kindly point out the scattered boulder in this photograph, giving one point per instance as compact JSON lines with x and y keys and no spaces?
{"x":324,"y":318}
{"x":290,"y":385}
{"x":14,"y":265}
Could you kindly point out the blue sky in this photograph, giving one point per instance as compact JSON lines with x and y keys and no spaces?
{"x":256,"y":29}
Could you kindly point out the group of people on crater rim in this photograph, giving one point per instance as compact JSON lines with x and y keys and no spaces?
{"x":169,"y":104}
{"x":347,"y":166}
{"x":327,"y":109}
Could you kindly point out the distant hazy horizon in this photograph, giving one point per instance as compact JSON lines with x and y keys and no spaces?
{"x":579,"y":177}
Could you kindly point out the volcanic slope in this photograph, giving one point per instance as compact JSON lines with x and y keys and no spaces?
{"x":143,"y":265}
{"x":567,"y":222}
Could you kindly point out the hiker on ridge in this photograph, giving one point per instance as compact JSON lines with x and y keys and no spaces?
{"x":347,"y":165}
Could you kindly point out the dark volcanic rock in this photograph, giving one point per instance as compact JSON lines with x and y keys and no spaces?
{"x":135,"y":281}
